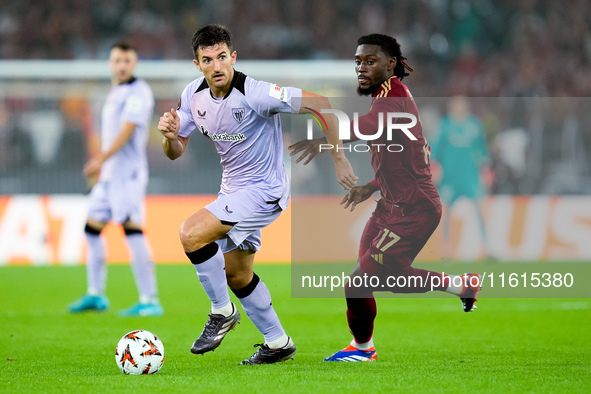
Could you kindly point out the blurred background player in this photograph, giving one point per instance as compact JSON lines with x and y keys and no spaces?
{"x":240,"y":116}
{"x":409,"y":209}
{"x":122,"y":171}
{"x":460,"y":154}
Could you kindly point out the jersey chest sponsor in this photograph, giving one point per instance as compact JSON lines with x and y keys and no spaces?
{"x":224,"y":119}
{"x":224,"y":137}
{"x":221,"y":137}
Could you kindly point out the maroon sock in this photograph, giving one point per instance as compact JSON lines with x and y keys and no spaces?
{"x":361,"y":313}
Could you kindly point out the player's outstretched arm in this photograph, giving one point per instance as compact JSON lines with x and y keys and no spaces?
{"x":357,"y":195}
{"x":169,"y":125}
{"x":345,"y":175}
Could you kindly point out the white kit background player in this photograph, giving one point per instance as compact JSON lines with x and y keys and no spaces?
{"x":119,"y":193}
{"x":240,"y":116}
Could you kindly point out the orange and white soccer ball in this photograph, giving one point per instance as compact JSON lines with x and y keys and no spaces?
{"x":139,"y":352}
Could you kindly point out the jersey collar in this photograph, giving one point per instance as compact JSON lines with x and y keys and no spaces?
{"x":237,"y":83}
{"x":130,"y":80}
{"x":387,"y":84}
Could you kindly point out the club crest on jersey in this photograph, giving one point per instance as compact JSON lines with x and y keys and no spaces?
{"x":238,"y":114}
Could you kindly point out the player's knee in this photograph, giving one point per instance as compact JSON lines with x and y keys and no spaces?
{"x":355,"y":287}
{"x":191,"y":239}
{"x":240,"y":279}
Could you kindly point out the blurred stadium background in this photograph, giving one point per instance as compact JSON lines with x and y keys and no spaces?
{"x":54,"y":78}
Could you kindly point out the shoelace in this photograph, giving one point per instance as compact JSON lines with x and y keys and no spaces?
{"x":263,"y":353}
{"x":263,"y":349}
{"x":212,"y":325}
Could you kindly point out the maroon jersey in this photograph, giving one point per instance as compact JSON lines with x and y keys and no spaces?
{"x":404,"y":178}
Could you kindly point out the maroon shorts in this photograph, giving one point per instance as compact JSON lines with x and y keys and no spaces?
{"x":393,"y":237}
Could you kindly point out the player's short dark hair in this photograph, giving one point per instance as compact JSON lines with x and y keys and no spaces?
{"x":209,"y":36}
{"x":391,"y":48}
{"x":124,"y":45}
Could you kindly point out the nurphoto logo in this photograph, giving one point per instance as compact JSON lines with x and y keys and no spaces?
{"x":344,"y":123}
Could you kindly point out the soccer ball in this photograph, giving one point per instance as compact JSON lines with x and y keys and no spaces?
{"x":139,"y":352}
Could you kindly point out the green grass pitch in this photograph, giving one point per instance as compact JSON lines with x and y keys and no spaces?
{"x":424,"y":345}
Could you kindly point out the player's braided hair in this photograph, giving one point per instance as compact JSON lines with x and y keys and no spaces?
{"x":391,"y":48}
{"x":209,"y":36}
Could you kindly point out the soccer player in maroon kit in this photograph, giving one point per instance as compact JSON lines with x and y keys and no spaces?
{"x":409,"y":209}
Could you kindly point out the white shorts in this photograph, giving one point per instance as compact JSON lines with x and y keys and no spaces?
{"x":118,"y":200}
{"x":249,"y":211}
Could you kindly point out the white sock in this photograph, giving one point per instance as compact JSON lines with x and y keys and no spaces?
{"x":146,"y":299}
{"x":93,"y":292}
{"x":456,"y":285}
{"x":225,"y":310}
{"x":279,"y":343}
{"x":362,"y":346}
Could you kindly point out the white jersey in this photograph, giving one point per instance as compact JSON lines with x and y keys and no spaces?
{"x":131,"y":102}
{"x":245,"y":128}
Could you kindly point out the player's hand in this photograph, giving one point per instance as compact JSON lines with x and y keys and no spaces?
{"x":487,"y":174}
{"x":170,"y":124}
{"x":436,"y":172}
{"x":310,"y":149}
{"x":92,"y":168}
{"x":345,"y":174}
{"x":357,"y":195}
{"x":92,"y":180}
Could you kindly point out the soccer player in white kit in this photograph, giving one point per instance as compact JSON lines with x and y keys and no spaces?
{"x":240,"y":116}
{"x":122,"y":171}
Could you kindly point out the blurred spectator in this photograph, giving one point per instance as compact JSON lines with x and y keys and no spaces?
{"x":483,"y":48}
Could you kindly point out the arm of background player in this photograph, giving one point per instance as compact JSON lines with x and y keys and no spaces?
{"x":345,"y":175}
{"x":437,"y":142}
{"x":173,"y":144}
{"x":93,"y":166}
{"x":487,"y":174}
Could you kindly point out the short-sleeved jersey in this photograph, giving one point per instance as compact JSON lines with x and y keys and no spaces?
{"x":404,"y":178}
{"x":245,"y":128}
{"x":131,"y":102}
